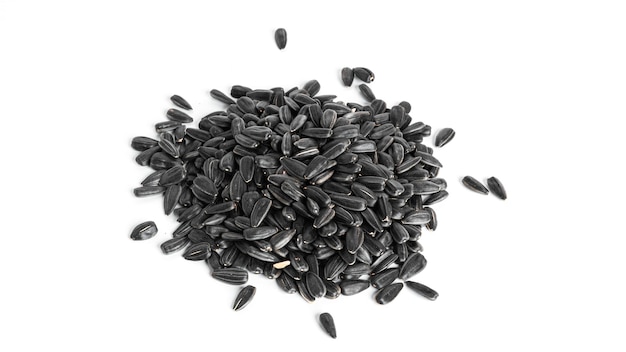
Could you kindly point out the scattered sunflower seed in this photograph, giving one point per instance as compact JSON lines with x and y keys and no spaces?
{"x":474,"y":185}
{"x":280,"y":36}
{"x":496,"y":187}
{"x":244,"y":297}
{"x":328,"y":324}
{"x":144,"y":231}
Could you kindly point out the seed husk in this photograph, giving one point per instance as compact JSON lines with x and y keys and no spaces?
{"x":444,"y":136}
{"x":180,"y":102}
{"x":218,"y":95}
{"x":496,"y":187}
{"x":145,"y":191}
{"x":178,"y":116}
{"x":198,"y":251}
{"x":174,"y":245}
{"x":347,"y":76}
{"x":328,"y":324}
{"x":144,"y":231}
{"x":315,"y":285}
{"x":259,"y":211}
{"x":280,"y":36}
{"x":388,"y":293}
{"x":233,"y":276}
{"x":384,"y":277}
{"x":422,"y":290}
{"x":352,"y":287}
{"x":364,"y":74}
{"x":474,"y":185}
{"x":367,"y":92}
{"x":244,"y":297}
{"x":413,"y":265}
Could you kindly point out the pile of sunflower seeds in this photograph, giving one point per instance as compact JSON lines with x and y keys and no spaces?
{"x":327,"y":198}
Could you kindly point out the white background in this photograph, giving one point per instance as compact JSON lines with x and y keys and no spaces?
{"x":534,"y":89}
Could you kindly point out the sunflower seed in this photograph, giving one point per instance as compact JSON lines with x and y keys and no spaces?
{"x":474,"y":185}
{"x":219,"y":96}
{"x":197,"y":251}
{"x":178,"y":116}
{"x":280,"y":36}
{"x":367,"y":92}
{"x":143,"y":143}
{"x":145,"y":191}
{"x":388,"y":293}
{"x":384,"y":277}
{"x":175,"y":244}
{"x":259,"y":211}
{"x":352,"y":287}
{"x":443,"y":137}
{"x":244,"y":297}
{"x":233,"y":276}
{"x":422,"y":290}
{"x":364,"y":74}
{"x":180,"y":102}
{"x":328,"y":324}
{"x":286,"y":283}
{"x":315,"y":285}
{"x":172,"y":195}
{"x":496,"y":187}
{"x":258,"y":233}
{"x":144,"y":231}
{"x":413,"y":265}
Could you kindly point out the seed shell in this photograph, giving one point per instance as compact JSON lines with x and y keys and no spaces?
{"x":423,"y":290}
{"x":388,"y":293}
{"x":474,"y":185}
{"x":280,"y":36}
{"x":144,"y":231}
{"x":244,"y":297}
{"x":328,"y":324}
{"x":496,"y":187}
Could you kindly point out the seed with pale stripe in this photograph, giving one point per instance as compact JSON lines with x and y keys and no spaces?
{"x":244,"y":297}
{"x":444,"y":136}
{"x":259,"y":211}
{"x":364,"y":74}
{"x":144,"y":231}
{"x":233,"y":276}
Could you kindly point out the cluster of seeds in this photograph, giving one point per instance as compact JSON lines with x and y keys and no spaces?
{"x":325,"y":197}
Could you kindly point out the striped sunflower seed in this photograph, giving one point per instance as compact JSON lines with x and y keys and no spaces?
{"x":474,"y":185}
{"x":233,"y":276}
{"x":178,"y":116}
{"x":444,"y":136}
{"x":367,"y":92}
{"x":144,"y":231}
{"x":413,"y":265}
{"x":496,"y":187}
{"x":244,"y":297}
{"x":198,"y":251}
{"x":388,"y":293}
{"x":384,"y":277}
{"x":422,"y":290}
{"x":180,"y":102}
{"x":315,"y":285}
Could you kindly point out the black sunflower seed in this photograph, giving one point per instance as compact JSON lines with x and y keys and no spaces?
{"x":259,"y":211}
{"x":144,"y":231}
{"x":172,"y":195}
{"x":413,"y":265}
{"x":315,"y":285}
{"x":352,"y":287}
{"x":384,"y":277}
{"x":367,"y":92}
{"x":364,"y":74}
{"x":175,"y":244}
{"x":143,"y":143}
{"x":145,"y":191}
{"x":180,"y":102}
{"x":233,"y":276}
{"x":423,"y":290}
{"x":347,"y":76}
{"x":259,"y":233}
{"x":388,"y":293}
{"x":328,"y":324}
{"x":286,"y":283}
{"x":444,"y":136}
{"x":474,"y":185}
{"x":496,"y":187}
{"x":219,"y":96}
{"x":244,"y":297}
{"x":280,"y":36}
{"x":178,"y":116}
{"x":198,"y":251}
